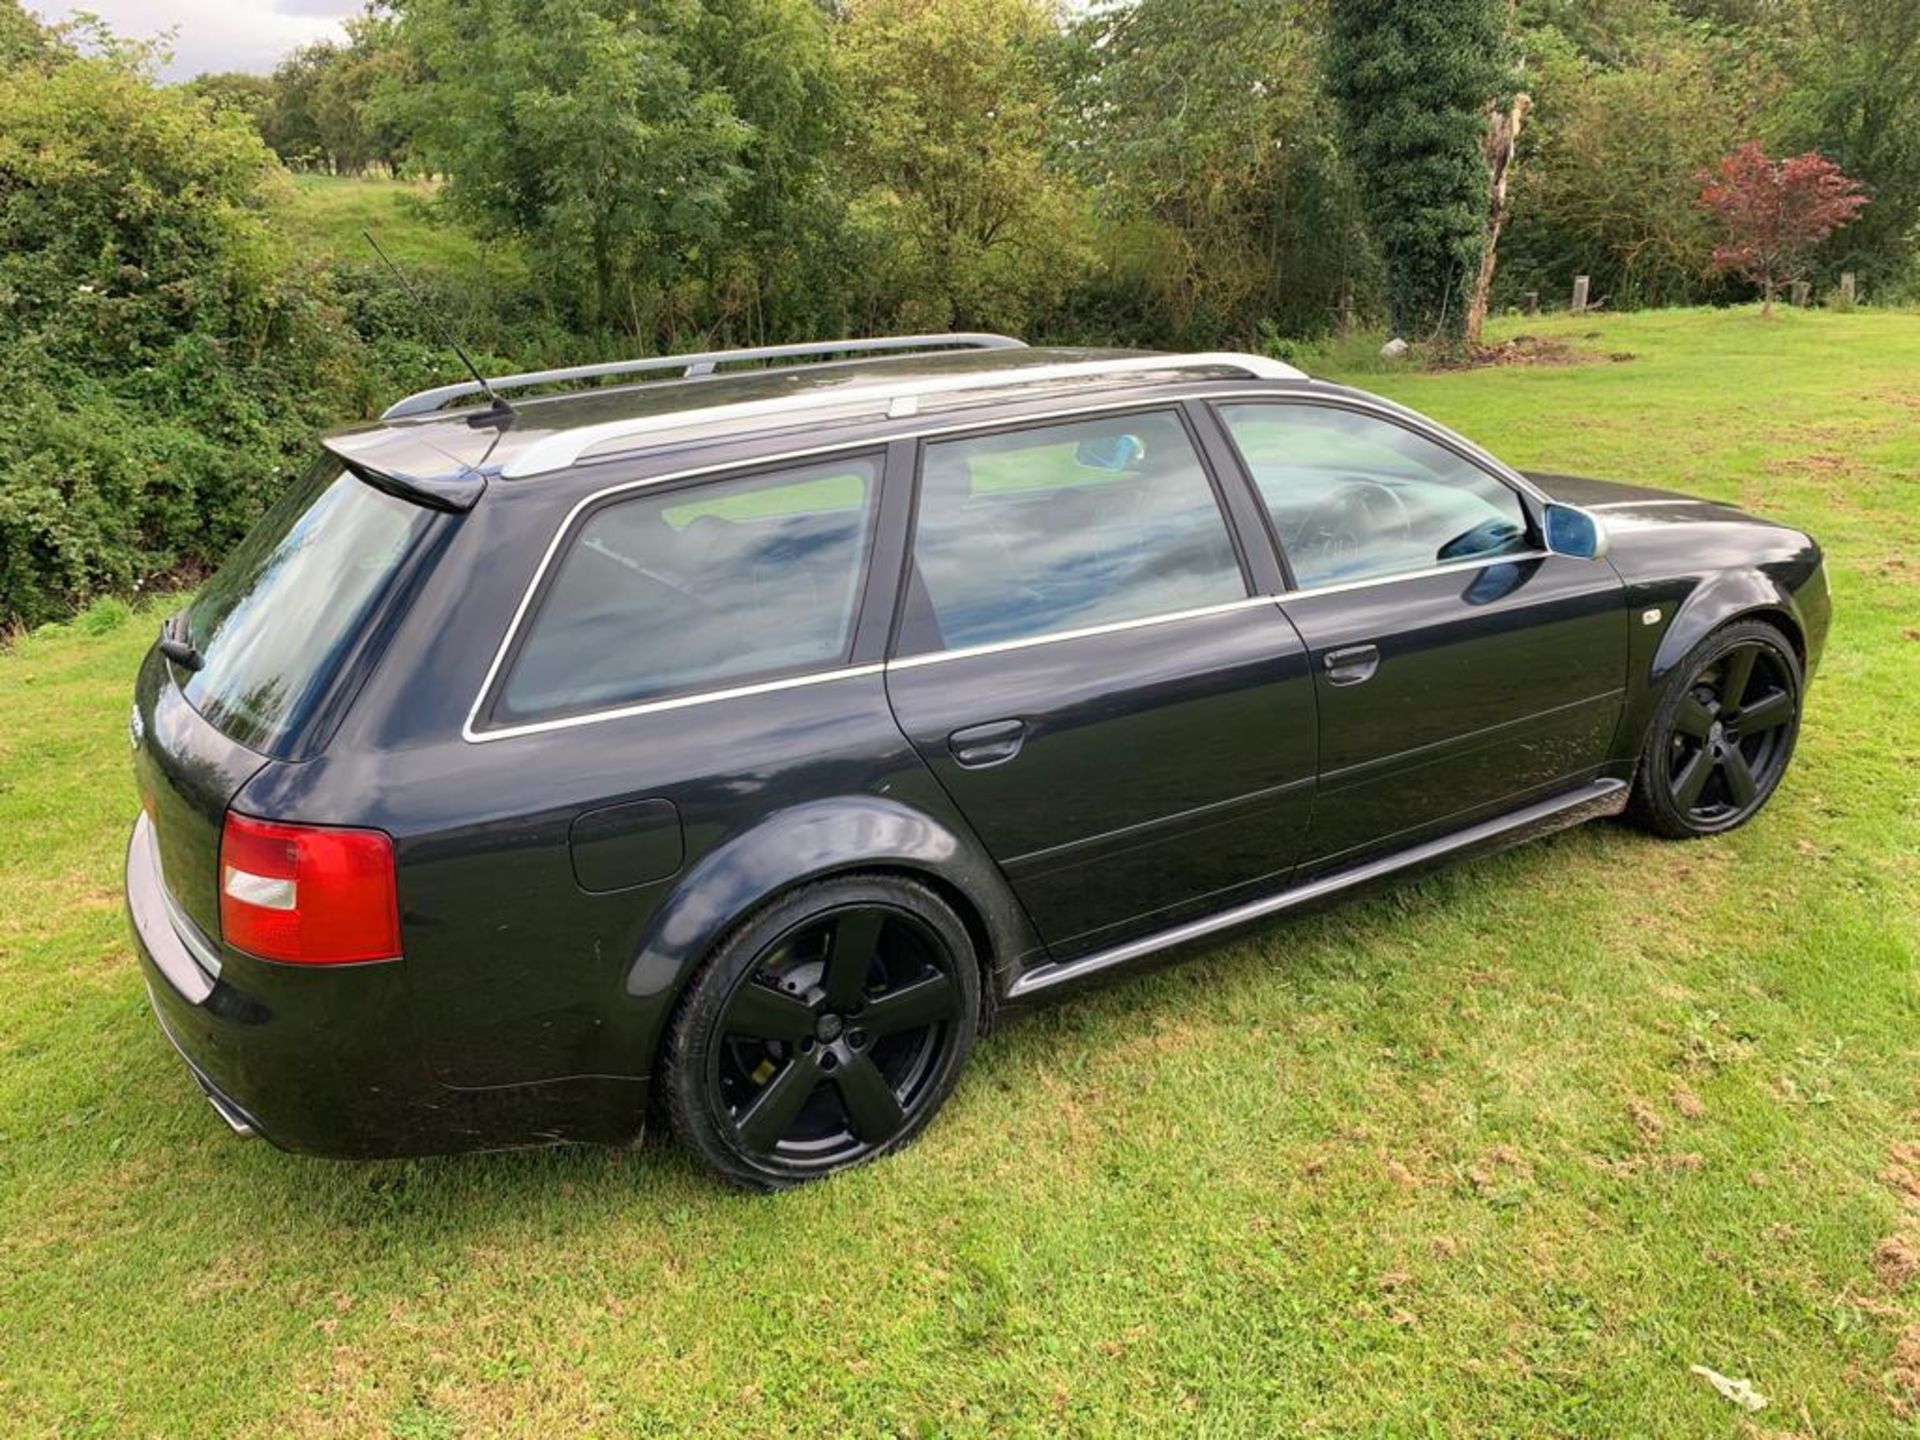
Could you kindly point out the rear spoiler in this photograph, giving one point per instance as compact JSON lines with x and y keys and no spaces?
{"x":402,"y":466}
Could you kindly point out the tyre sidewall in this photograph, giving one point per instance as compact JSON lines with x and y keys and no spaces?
{"x":694,"y":1112}
{"x":1656,"y":805}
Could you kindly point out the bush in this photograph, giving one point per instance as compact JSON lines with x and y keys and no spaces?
{"x":162,"y":361}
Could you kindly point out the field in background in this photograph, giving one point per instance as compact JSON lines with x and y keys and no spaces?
{"x":330,"y":213}
{"x":1505,"y":1152}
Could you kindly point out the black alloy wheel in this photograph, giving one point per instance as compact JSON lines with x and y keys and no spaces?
{"x":1722,"y":737}
{"x":825,"y":1032}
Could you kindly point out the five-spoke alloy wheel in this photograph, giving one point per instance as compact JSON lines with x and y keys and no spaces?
{"x":1723,"y":734}
{"x":825,"y":1031}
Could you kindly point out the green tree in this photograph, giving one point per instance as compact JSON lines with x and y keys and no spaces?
{"x":23,"y":38}
{"x":1617,"y":148}
{"x":161,"y":361}
{"x":632,"y":145}
{"x":291,"y":125}
{"x":248,"y":95}
{"x":1207,"y":118}
{"x":1415,"y":81}
{"x":952,"y":103}
{"x":1855,"y":97}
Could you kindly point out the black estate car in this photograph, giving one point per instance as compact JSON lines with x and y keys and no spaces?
{"x":739,"y":740}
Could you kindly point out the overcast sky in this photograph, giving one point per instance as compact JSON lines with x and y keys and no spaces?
{"x":216,"y":34}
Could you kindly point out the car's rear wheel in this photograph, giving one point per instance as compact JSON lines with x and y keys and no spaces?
{"x":824,"y":1032}
{"x":1722,"y":735}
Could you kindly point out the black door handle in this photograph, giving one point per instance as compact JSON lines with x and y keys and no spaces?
{"x":1351,"y":664}
{"x":978,"y":746}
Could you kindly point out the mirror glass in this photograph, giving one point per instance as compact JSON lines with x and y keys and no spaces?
{"x":1576,"y":532}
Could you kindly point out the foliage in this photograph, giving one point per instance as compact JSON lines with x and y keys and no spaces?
{"x":948,"y":144}
{"x":1206,"y":120}
{"x":626,"y":175}
{"x":23,"y":38}
{"x":321,"y":114}
{"x":1414,"y":81}
{"x":160,"y":356}
{"x":253,"y":96}
{"x":1607,"y":185}
{"x":1855,"y":97}
{"x":620,"y":141}
{"x":1775,"y":212}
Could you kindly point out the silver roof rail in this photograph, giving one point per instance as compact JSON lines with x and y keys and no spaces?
{"x":427,"y":401}
{"x":897,"y":400}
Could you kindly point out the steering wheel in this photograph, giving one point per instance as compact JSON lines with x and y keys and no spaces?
{"x":1359,"y":513}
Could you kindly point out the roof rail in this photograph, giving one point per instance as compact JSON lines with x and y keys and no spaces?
{"x":427,"y":401}
{"x":896,"y":399}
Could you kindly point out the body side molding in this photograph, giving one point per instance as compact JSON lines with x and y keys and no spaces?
{"x":1590,"y":801}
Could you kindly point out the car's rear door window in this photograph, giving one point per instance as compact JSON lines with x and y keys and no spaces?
{"x":1357,"y":497}
{"x":673,"y":592}
{"x":275,"y":620}
{"x":1056,"y":528}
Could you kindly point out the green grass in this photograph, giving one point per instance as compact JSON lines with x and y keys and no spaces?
{"x":328,"y":215}
{"x":1502,"y":1153}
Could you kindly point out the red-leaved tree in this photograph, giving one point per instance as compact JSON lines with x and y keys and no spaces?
{"x":1774,"y":212}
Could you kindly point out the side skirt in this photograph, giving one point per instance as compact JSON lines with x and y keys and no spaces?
{"x":1591,"y":801}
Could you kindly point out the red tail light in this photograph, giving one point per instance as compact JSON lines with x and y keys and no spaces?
{"x":315,"y":895}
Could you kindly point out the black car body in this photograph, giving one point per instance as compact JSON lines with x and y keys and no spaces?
{"x":608,"y":675}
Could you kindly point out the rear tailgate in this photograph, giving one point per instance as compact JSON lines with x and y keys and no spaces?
{"x":263,"y":659}
{"x":187,"y":772}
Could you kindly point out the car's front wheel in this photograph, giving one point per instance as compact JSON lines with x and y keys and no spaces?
{"x":1722,"y":734}
{"x":823,"y":1032}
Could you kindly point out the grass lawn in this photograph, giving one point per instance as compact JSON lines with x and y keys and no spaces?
{"x":329,"y":214}
{"x":1504,"y":1152}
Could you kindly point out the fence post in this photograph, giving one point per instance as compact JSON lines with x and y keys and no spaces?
{"x":1533,"y":302}
{"x":1580,"y":294}
{"x":1846,"y":287}
{"x":1802,"y":292}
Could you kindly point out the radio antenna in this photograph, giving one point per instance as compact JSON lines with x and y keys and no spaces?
{"x":498,"y":410}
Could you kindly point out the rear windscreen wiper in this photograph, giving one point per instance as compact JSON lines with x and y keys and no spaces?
{"x":175,"y":645}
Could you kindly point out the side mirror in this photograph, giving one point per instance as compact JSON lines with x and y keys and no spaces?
{"x":1576,"y":532}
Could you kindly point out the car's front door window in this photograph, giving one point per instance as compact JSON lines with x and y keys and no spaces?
{"x":1357,"y":497}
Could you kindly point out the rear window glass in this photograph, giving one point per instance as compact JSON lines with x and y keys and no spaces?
{"x":273,"y":623}
{"x":729,"y":583}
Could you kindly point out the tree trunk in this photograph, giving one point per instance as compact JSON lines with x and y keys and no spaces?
{"x":1503,"y":140}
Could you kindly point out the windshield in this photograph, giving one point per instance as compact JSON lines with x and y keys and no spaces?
{"x":273,"y":623}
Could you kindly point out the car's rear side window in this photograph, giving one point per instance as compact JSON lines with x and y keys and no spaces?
{"x":670,"y":593}
{"x":273,"y":623}
{"x":1063,"y":527}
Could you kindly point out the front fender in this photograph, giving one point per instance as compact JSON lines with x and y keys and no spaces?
{"x":1794,"y":593}
{"x":808,"y":842}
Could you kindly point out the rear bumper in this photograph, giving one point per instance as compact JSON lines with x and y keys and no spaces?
{"x":243,"y":1125}
{"x":324,"y":1059}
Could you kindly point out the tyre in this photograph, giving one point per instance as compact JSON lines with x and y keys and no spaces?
{"x":1722,"y":734}
{"x":824,"y":1032}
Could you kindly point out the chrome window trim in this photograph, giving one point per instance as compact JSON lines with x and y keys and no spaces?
{"x":673,"y":702}
{"x":471,"y":731}
{"x":1472,"y":562}
{"x":1084,"y":632}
